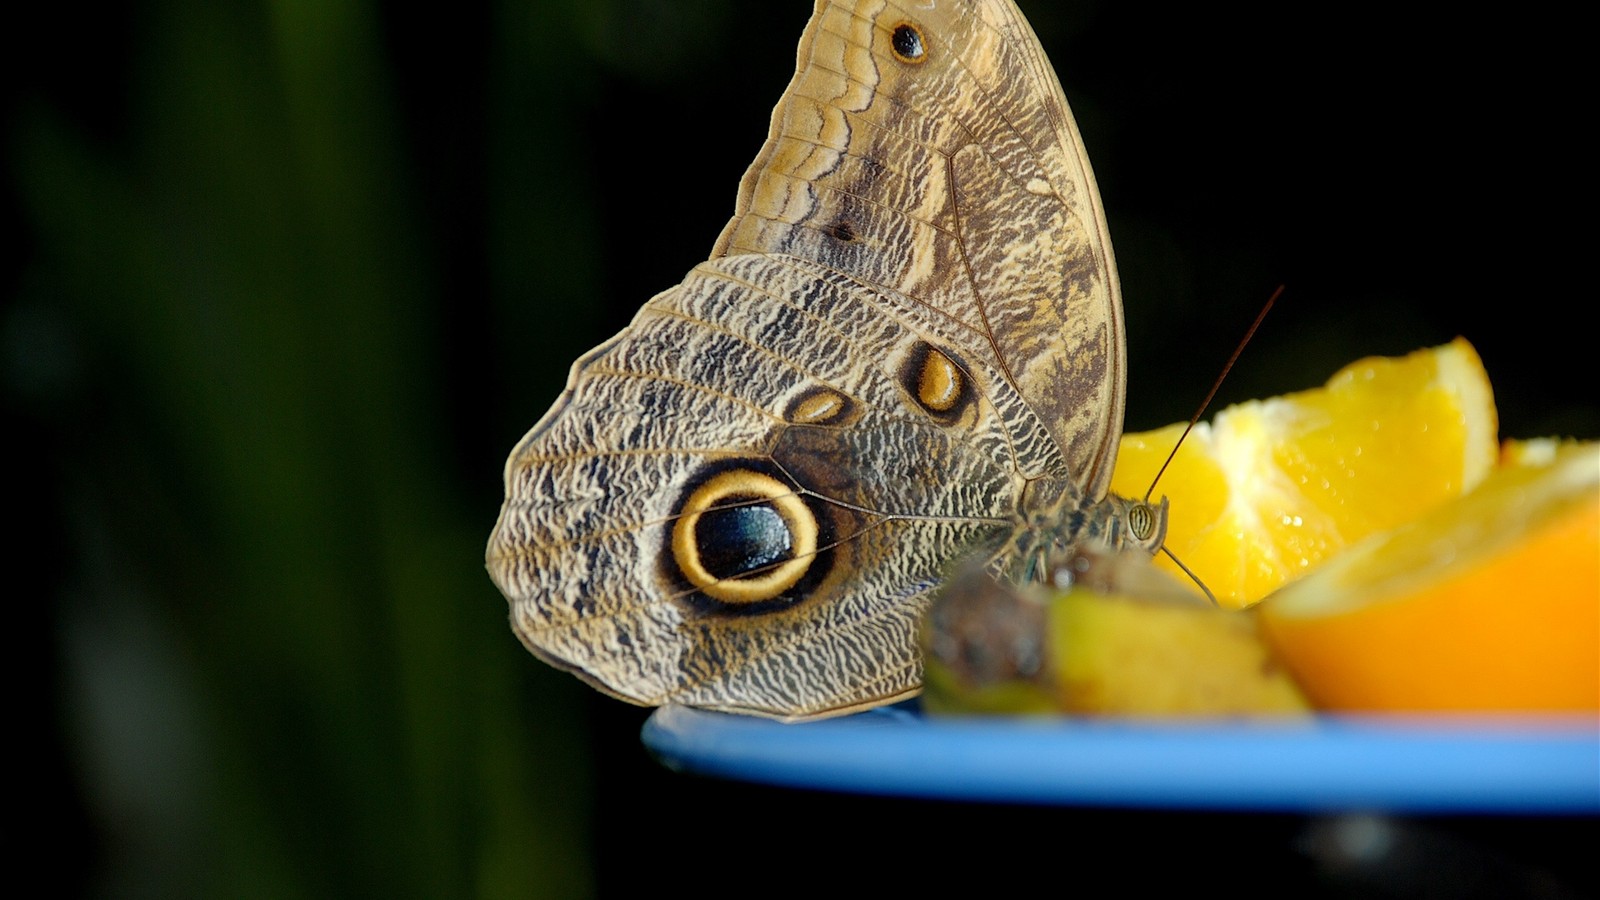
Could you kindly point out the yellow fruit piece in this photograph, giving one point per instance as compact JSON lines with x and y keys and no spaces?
{"x":1490,"y":603}
{"x":1123,"y":655}
{"x":1269,"y":489}
{"x":1124,"y":639}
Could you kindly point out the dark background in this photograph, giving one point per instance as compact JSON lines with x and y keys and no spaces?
{"x":289,"y":280}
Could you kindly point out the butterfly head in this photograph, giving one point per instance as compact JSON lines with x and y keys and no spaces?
{"x":1064,"y":525}
{"x":1132,"y":523}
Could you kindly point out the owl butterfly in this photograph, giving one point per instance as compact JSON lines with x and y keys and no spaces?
{"x":906,"y":347}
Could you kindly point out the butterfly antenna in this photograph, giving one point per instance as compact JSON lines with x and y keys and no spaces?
{"x":1215,"y":386}
{"x":1192,"y":576}
{"x":1204,"y":404}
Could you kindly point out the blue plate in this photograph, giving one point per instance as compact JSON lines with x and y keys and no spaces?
{"x":1510,"y":765}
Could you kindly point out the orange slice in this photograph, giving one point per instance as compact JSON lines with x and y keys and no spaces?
{"x":1269,"y":489}
{"x":1490,"y":603}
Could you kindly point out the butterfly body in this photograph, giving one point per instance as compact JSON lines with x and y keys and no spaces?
{"x":906,"y":347}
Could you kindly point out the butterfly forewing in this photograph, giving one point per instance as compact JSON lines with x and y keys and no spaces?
{"x":957,"y":179}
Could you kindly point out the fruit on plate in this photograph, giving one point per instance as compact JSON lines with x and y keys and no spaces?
{"x":1408,"y":563}
{"x":1123,"y":639}
{"x":1488,"y":603}
{"x":1268,"y":489}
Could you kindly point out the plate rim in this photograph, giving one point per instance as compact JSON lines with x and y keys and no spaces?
{"x":1523,"y":764}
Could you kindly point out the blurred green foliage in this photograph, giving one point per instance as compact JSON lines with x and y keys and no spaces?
{"x":283,"y":669}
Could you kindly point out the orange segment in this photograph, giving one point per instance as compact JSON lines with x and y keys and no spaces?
{"x":1269,"y":489}
{"x":1489,"y":603}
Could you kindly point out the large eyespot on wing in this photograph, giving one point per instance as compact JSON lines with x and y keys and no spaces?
{"x":928,"y":149}
{"x":746,"y":541}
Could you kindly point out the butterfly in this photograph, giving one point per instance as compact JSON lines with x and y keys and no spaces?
{"x":905,"y":348}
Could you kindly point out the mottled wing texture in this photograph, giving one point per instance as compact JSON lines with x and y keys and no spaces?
{"x":960,"y":181}
{"x":910,"y":322}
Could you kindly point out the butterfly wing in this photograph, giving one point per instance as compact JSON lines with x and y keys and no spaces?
{"x":742,"y":500}
{"x":928,"y":149}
